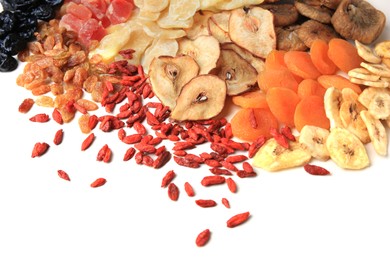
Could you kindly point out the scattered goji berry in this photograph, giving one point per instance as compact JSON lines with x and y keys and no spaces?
{"x":189,"y":189}
{"x":58,"y":137}
{"x":173,"y":191}
{"x":63,"y":175}
{"x":203,"y":237}
{"x":237,"y":219}
{"x":98,"y":182}
{"x":315,"y":170}
{"x":205,"y":203}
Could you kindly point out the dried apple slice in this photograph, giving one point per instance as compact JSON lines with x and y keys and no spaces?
{"x":239,"y":74}
{"x":159,"y":47}
{"x":201,"y":98}
{"x":253,"y":30}
{"x":217,"y":32}
{"x":205,"y":50}
{"x":168,"y":75}
{"x":200,"y":25}
{"x":221,"y":19}
{"x":256,"y":62}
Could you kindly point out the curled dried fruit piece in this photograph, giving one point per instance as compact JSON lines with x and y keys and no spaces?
{"x":367,"y":53}
{"x":350,"y":115}
{"x":346,"y":150}
{"x":288,"y":39}
{"x":168,"y":75}
{"x":376,"y":131}
{"x":274,"y":157}
{"x":238,"y":74}
{"x":314,"y":139}
{"x":332,"y":103}
{"x":201,"y":98}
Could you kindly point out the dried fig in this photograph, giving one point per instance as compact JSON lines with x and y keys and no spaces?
{"x":312,"y":30}
{"x":284,"y":14}
{"x":358,"y":20}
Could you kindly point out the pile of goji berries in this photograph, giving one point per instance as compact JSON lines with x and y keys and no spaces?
{"x":133,"y":94}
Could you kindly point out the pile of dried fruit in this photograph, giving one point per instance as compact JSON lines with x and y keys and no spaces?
{"x":193,"y":59}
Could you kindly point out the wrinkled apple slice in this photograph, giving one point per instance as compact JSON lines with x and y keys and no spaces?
{"x":201,"y":98}
{"x":256,"y":62}
{"x":253,"y":30}
{"x":168,"y":75}
{"x":239,"y":75}
{"x":217,"y":32}
{"x":205,"y":50}
{"x":200,"y":25}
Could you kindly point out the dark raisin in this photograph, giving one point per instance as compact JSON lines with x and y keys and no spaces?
{"x":27,"y":32}
{"x":13,"y":5}
{"x":12,"y":44}
{"x":8,"y":22}
{"x":26,"y":20}
{"x":43,"y":12}
{"x":7,"y":63}
{"x":53,"y":3}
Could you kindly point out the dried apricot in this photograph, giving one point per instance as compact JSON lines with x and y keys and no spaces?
{"x":338,"y":82}
{"x":275,"y":60}
{"x":250,"y":123}
{"x":270,"y":78}
{"x":320,"y":58}
{"x":344,"y":55}
{"x":282,"y":103}
{"x":309,"y":87}
{"x":251,"y":99}
{"x":310,"y":111}
{"x":300,"y":64}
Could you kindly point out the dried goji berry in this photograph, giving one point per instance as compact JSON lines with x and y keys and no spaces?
{"x":238,"y":219}
{"x":169,"y":176}
{"x":315,"y":170}
{"x":26,"y":105}
{"x":279,"y":138}
{"x":212,"y":180}
{"x":225,"y":202}
{"x":57,"y":116}
{"x":98,"y":182}
{"x":87,"y":142}
{"x":206,"y":203}
{"x":63,"y":175}
{"x":39,"y":149}
{"x":286,"y":131}
{"x":189,"y":189}
{"x":173,"y":191}
{"x":162,"y":159}
{"x":58,"y":137}
{"x":40,"y":118}
{"x":203,"y":237}
{"x":231,"y":185}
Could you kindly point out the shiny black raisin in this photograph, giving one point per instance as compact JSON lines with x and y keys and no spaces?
{"x":13,"y":5}
{"x":43,"y":12}
{"x":26,"y":19}
{"x":27,"y":33}
{"x":53,"y":3}
{"x":12,"y":44}
{"x":8,"y":22}
{"x":7,"y":63}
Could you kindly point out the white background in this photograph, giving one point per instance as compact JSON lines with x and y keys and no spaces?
{"x":293,"y":215}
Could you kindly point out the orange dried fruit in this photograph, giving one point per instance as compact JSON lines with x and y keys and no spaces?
{"x":250,"y":123}
{"x":300,"y":64}
{"x":310,"y":111}
{"x":282,"y":103}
